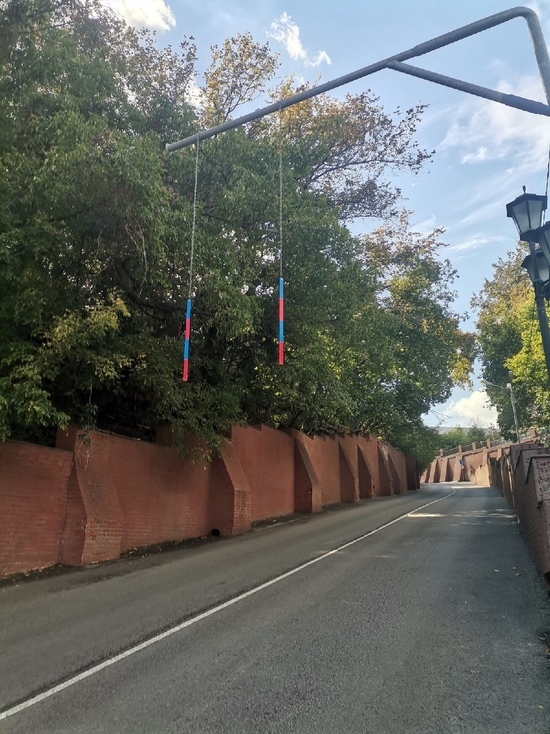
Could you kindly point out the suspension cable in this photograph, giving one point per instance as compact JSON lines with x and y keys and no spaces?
{"x":187,"y":332}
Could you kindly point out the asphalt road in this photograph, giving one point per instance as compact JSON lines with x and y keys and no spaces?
{"x":431,"y":622}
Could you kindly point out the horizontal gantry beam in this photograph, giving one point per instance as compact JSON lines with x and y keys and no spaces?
{"x":396,"y":64}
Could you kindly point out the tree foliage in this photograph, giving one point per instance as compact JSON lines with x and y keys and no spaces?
{"x":95,"y":229}
{"x":465,"y":437}
{"x":511,"y":345}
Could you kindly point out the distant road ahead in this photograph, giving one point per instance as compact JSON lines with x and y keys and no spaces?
{"x":434,"y":623}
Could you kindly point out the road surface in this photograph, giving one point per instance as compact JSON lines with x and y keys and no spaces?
{"x":372,"y":618}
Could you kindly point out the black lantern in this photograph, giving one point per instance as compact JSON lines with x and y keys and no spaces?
{"x":526,"y":211}
{"x":538,"y":269}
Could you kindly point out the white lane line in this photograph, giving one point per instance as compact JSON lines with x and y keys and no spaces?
{"x":173,"y":630}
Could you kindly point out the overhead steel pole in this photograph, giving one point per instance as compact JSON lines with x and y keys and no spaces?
{"x":512,"y":401}
{"x":514,"y":411}
{"x":396,"y":64}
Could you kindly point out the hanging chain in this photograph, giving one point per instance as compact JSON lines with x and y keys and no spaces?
{"x":193,"y":227}
{"x":281,"y":340}
{"x":280,"y":192}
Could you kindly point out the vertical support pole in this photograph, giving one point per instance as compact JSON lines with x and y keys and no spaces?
{"x":541,"y":308}
{"x":185,"y":361}
{"x":281,"y":321}
{"x":514,"y":411}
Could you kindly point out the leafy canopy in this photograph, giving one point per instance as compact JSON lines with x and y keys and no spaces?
{"x":511,"y":346}
{"x":95,"y":226}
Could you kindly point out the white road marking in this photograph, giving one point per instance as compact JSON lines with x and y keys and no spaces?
{"x":173,"y":630}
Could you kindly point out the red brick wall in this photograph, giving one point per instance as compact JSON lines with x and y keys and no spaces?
{"x":532,"y":506}
{"x":307,"y":487}
{"x":136,"y":494}
{"x":522,"y":473}
{"x":448,"y":469}
{"x":33,"y":497}
{"x":352,"y":470}
{"x":232,"y":512}
{"x":94,"y":481}
{"x":161,"y":498}
{"x":267,"y":459}
{"x":399,"y":464}
{"x":74,"y":528}
{"x":412,"y":473}
{"x":324,"y":453}
{"x":541,"y":478}
{"x":97,"y":494}
{"x":369,"y":468}
{"x":349,"y":483}
{"x":386,"y":481}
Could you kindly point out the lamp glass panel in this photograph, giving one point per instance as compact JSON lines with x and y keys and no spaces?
{"x":521,"y":217}
{"x":543,"y":239}
{"x":535,"y":213}
{"x":543,"y":266}
{"x":528,"y":265}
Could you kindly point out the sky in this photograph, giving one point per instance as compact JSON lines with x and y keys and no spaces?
{"x":484,"y":152}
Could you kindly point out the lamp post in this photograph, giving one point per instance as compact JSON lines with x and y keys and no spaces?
{"x":512,"y":400}
{"x":527,"y":211}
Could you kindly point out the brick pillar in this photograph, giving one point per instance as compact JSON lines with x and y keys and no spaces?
{"x":307,"y":490}
{"x":93,"y":500}
{"x":241,"y":519}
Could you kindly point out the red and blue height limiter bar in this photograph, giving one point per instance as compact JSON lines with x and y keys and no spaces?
{"x":281,"y":351}
{"x":185,"y":362}
{"x":281,"y":321}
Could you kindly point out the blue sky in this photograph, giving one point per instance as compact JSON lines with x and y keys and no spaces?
{"x":485,"y":152}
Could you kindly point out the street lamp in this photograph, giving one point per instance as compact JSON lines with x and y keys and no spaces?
{"x":512,"y":400}
{"x":527,"y":211}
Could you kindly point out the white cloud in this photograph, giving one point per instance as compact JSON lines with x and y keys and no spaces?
{"x":426,"y":226}
{"x":194,"y":95}
{"x":144,"y":13}
{"x":481,"y":154}
{"x":488,"y":131}
{"x":475,"y":409}
{"x":285,"y":31}
{"x":475,"y":242}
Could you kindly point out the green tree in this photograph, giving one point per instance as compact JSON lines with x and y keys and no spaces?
{"x":95,"y":227}
{"x":238,"y":73}
{"x":465,"y":437}
{"x":510,"y":345}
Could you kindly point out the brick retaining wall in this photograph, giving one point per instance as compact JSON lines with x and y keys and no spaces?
{"x":522,"y":474}
{"x":97,"y":495}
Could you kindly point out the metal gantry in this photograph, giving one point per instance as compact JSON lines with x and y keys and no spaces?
{"x":396,"y":63}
